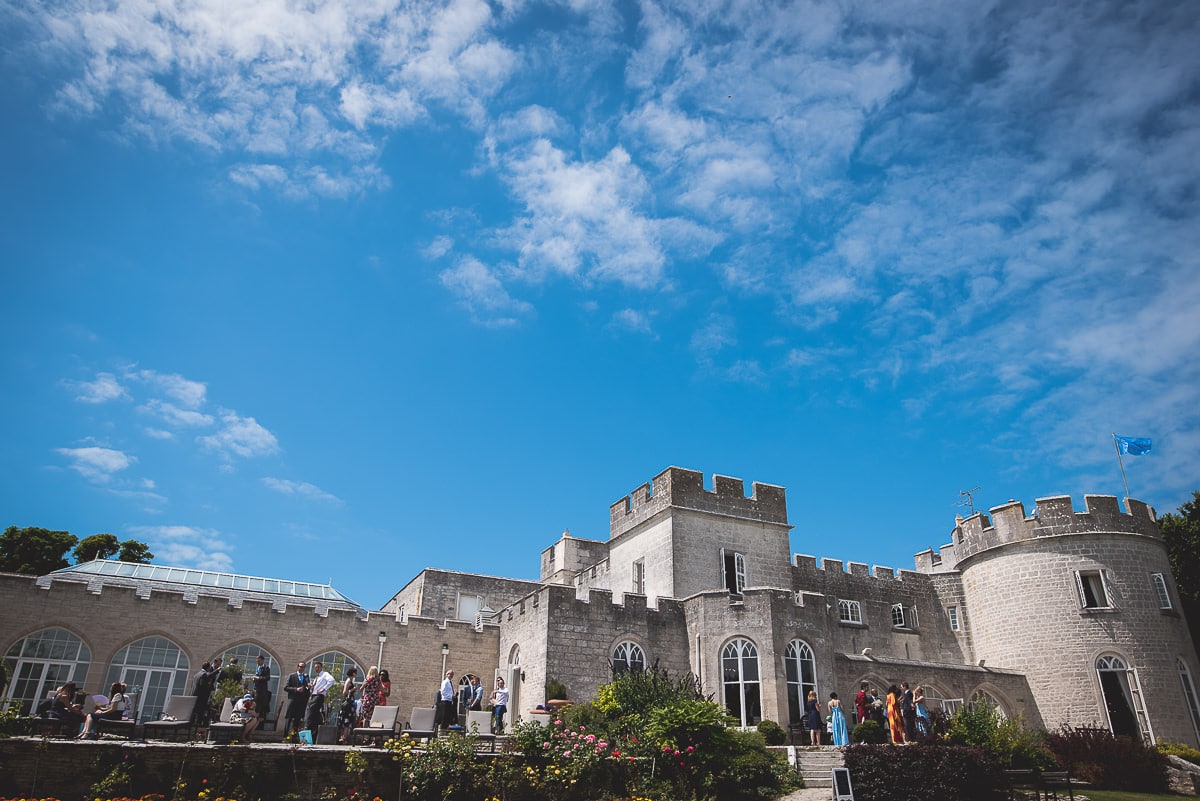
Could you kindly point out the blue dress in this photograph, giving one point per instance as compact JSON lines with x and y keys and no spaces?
{"x":812,"y":715}
{"x":841,"y":736}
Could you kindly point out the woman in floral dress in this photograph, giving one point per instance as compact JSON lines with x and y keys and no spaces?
{"x":371,"y":691}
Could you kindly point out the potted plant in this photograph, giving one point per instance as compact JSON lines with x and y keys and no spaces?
{"x":556,"y":694}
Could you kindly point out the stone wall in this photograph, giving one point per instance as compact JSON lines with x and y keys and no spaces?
{"x":108,"y":621}
{"x":439,"y":591}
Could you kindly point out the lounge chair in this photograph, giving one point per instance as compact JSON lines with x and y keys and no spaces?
{"x":420,"y":723}
{"x":223,"y":731}
{"x":176,"y":719}
{"x":480,"y":725}
{"x":382,"y":724}
{"x":122,"y":727}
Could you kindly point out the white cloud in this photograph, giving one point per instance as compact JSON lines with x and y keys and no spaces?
{"x":301,"y":488}
{"x":187,"y":546}
{"x":175,"y":416}
{"x":105,"y":388}
{"x":185,"y":392}
{"x":479,"y":289}
{"x":632,"y":320}
{"x":241,"y":436}
{"x":440,"y":246}
{"x":157,"y":433}
{"x":96,"y":463}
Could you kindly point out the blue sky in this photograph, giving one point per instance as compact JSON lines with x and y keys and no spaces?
{"x":338,"y":291}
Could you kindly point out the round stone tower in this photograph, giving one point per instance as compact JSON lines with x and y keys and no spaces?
{"x":1082,"y":603}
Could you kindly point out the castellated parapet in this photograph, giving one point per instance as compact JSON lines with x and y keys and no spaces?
{"x":1053,"y":517}
{"x":682,"y":488}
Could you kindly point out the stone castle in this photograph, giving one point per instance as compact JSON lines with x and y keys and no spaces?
{"x":1059,"y":616}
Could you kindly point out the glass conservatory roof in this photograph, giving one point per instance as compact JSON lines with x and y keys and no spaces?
{"x":223,"y":583}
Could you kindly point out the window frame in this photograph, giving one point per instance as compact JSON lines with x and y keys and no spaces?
{"x":748,"y":688}
{"x":952,"y":614}
{"x":850,"y":612}
{"x":738,"y":586}
{"x":1159,"y":580}
{"x":639,"y":576}
{"x":796,"y":656}
{"x":1086,"y":585}
{"x":907,"y":617}
{"x":622,"y":657}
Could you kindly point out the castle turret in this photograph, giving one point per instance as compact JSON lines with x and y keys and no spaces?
{"x":1084,"y":604}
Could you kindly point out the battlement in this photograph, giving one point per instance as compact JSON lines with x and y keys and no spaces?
{"x":1052,"y":517}
{"x":855,"y":569}
{"x":684,"y":489}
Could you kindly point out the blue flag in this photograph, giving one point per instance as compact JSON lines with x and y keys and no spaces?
{"x":1134,"y":446}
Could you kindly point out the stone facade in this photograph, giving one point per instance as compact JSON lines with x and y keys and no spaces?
{"x":1056,"y":616}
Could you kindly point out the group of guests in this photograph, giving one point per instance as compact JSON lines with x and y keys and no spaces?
{"x":307,"y":695}
{"x":253,"y":701}
{"x":447,"y":712}
{"x":66,"y":707}
{"x":903,"y":713}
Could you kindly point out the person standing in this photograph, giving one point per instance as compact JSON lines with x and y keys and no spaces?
{"x":475,"y":702}
{"x":895,"y":724}
{"x":841,"y":736}
{"x":812,"y":718}
{"x":499,"y":705}
{"x":372,"y":693}
{"x":446,"y":716}
{"x":202,"y":688}
{"x":908,"y":712}
{"x":922,"y":711}
{"x":860,"y":703}
{"x":385,"y":685}
{"x":314,"y":713}
{"x":346,"y":715}
{"x":262,"y":687}
{"x":297,"y":693}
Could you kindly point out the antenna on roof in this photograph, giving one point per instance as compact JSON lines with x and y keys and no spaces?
{"x":967,"y":498}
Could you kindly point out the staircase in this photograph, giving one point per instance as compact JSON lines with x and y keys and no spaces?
{"x":816,"y":764}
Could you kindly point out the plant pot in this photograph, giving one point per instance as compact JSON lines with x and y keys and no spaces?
{"x":557,"y":703}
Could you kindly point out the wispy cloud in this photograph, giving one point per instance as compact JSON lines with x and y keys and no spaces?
{"x":300,"y":488}
{"x":187,"y":546}
{"x":183,"y":391}
{"x":103,"y":389}
{"x":479,"y":288}
{"x":241,"y":436}
{"x":96,"y":463}
{"x":175,"y":416}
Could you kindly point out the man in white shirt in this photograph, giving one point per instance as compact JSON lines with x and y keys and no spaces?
{"x":314,"y":715}
{"x":500,"y":706}
{"x":446,"y":715}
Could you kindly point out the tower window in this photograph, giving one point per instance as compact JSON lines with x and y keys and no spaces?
{"x":639,"y":577}
{"x":1092,"y":592}
{"x":904,"y":617}
{"x":733,"y":566}
{"x":952,"y":613}
{"x":1160,"y":587}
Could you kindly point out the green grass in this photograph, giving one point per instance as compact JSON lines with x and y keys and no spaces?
{"x":1122,"y":795}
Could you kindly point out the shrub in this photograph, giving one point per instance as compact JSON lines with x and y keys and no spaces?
{"x":772,"y":732}
{"x":749,"y":770}
{"x":555,"y":689}
{"x":1180,"y":750}
{"x":926,"y":772}
{"x":1113,"y":763}
{"x":868,"y":732}
{"x":1008,"y":740}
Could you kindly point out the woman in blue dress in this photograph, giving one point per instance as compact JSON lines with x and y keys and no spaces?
{"x":837,"y":718}
{"x":812,"y":718}
{"x":922,"y":711}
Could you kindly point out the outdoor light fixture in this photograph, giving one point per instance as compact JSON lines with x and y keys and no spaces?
{"x":382,"y":640}
{"x":445,"y":653}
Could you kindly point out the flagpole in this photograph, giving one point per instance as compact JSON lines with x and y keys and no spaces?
{"x":1122,"y":464}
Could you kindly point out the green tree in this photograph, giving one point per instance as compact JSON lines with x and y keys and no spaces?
{"x":1181,"y":533}
{"x":134,"y":551}
{"x":97,"y":546}
{"x":36,"y":551}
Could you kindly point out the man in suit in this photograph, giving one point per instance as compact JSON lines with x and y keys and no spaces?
{"x":297,"y":693}
{"x":908,"y":711}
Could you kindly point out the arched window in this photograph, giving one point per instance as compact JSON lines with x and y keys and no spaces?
{"x":628,"y":657}
{"x":984,"y":698}
{"x":337,"y":664}
{"x":849,"y":611}
{"x":1122,"y":698}
{"x":1189,"y":695}
{"x":739,"y":679}
{"x":247,"y":657}
{"x":800,"y":667}
{"x":43,"y":662}
{"x":153,"y":668}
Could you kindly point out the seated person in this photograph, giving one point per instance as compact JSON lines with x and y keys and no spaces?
{"x":64,"y":707}
{"x":249,"y":715}
{"x":113,"y":710}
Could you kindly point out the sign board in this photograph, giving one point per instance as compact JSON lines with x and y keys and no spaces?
{"x":841,"y":785}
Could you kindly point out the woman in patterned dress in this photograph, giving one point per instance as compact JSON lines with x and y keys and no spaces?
{"x":371,"y":691}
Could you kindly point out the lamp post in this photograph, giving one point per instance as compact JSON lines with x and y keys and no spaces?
{"x":445,"y":653}
{"x":382,"y":640}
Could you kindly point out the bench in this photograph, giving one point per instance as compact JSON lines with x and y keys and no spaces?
{"x":420,"y":723}
{"x":1045,"y":784}
{"x":382,"y":724}
{"x":176,"y":719}
{"x":480,"y":725}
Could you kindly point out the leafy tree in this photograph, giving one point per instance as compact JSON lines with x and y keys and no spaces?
{"x":97,"y":546}
{"x":35,"y":551}
{"x":134,"y":551}
{"x":1181,"y":533}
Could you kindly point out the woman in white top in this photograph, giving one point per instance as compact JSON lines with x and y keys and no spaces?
{"x":113,"y":710}
{"x":499,"y":706}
